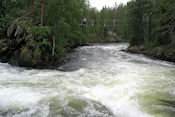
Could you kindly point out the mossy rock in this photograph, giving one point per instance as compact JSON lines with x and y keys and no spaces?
{"x":26,"y":54}
{"x":158,"y":51}
{"x":4,"y":45}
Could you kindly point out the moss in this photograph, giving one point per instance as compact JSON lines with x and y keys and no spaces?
{"x":37,"y":53}
{"x":3,"y":49}
{"x":25,"y":56}
{"x":168,"y":49}
{"x":4,"y":45}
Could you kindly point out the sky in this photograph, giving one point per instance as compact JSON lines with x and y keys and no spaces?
{"x":100,"y":3}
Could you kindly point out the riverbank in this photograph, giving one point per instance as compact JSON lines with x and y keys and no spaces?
{"x":30,"y":54}
{"x":110,"y":39}
{"x":166,"y":53}
{"x":24,"y":54}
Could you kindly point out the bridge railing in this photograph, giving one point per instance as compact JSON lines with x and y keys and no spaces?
{"x":105,"y":23}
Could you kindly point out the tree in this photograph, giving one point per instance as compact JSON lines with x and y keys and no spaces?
{"x":139,"y":15}
{"x":42,"y":11}
{"x":163,"y":19}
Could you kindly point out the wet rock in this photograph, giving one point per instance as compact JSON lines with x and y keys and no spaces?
{"x":141,"y":47}
{"x":11,"y":29}
{"x":158,"y":51}
{"x":14,"y":60}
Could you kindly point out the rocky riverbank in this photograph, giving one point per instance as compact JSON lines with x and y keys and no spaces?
{"x":162,"y":53}
{"x":30,"y":54}
{"x":24,"y":55}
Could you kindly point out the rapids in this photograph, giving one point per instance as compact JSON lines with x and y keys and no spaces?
{"x":96,"y":81}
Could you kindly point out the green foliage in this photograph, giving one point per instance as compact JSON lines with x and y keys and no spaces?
{"x":64,"y":16}
{"x":10,"y":10}
{"x":43,"y":31}
{"x":45,"y":43}
{"x":168,"y":49}
{"x":36,"y":32}
{"x":37,"y":53}
{"x":4,"y":23}
{"x":151,"y":21}
{"x":139,"y":18}
{"x":163,"y":18}
{"x":29,"y":37}
{"x":37,"y":35}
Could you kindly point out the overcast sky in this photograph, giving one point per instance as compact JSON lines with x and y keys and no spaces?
{"x":100,"y":3}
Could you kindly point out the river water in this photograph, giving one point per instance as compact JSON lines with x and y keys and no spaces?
{"x":96,"y":81}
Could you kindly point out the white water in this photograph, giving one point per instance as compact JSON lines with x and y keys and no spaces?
{"x":108,"y":83}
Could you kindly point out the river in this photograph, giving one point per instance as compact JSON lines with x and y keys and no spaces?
{"x":96,"y":81}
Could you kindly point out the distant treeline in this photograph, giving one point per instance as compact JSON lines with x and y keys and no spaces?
{"x":141,"y":21}
{"x":151,"y":21}
{"x":148,"y":25}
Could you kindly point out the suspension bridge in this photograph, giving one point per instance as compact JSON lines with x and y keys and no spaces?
{"x":105,"y":23}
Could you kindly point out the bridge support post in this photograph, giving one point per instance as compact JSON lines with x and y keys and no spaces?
{"x":105,"y":23}
{"x":114,"y":22}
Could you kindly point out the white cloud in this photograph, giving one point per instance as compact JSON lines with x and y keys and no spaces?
{"x":99,"y":4}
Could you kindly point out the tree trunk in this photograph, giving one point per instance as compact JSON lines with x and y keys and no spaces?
{"x":42,"y":11}
{"x":53,"y":47}
{"x":147,"y":26}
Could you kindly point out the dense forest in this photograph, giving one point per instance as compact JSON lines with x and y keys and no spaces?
{"x":148,"y":25}
{"x":151,"y":28}
{"x":36,"y":33}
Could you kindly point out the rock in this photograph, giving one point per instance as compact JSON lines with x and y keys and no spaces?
{"x":14,"y":59}
{"x":141,"y":47}
{"x":134,"y":49}
{"x":5,"y":44}
{"x":87,"y":44}
{"x":11,"y":29}
{"x":158,"y":51}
